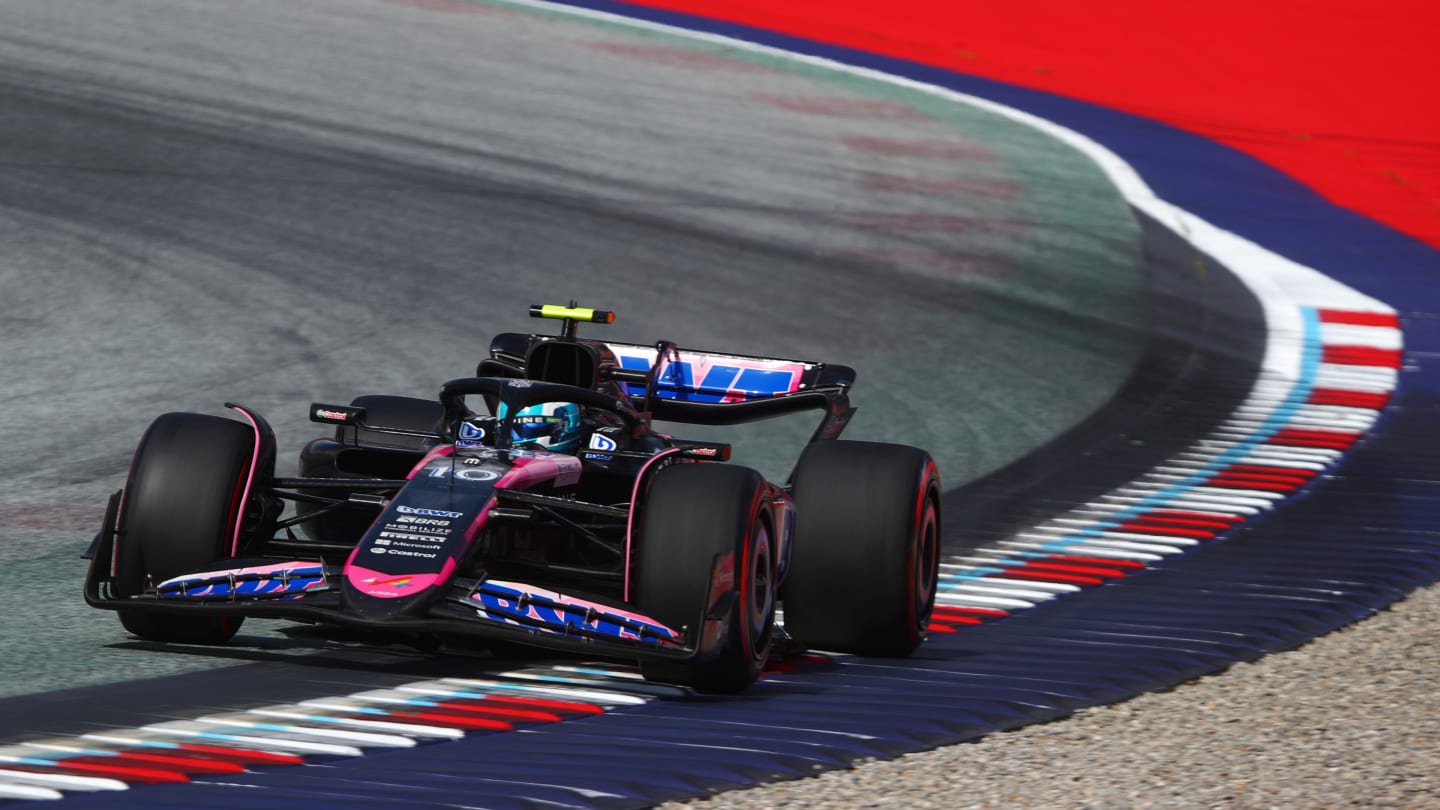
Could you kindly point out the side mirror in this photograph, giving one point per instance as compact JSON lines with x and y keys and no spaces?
{"x":336,"y":414}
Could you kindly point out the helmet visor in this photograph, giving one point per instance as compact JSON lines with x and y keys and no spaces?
{"x":536,"y":428}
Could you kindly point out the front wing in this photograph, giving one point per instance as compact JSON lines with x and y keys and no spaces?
{"x":497,"y":610}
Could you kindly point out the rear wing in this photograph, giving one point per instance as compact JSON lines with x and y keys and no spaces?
{"x":687,"y":385}
{"x":687,"y":375}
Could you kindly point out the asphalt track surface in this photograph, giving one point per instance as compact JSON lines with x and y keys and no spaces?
{"x":277,"y":203}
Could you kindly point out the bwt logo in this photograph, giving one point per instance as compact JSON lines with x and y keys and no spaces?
{"x":410,"y":510}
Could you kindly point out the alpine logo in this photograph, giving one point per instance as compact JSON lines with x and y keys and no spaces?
{"x":411,"y":510}
{"x":471,"y":433}
{"x":602,"y":442}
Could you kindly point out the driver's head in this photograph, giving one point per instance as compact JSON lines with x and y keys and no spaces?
{"x":551,"y":425}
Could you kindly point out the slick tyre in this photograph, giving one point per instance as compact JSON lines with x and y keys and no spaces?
{"x":867,"y":548}
{"x":182,"y":503}
{"x":698,"y":517}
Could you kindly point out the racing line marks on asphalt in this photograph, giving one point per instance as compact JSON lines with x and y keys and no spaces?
{"x":934,"y":223}
{"x":928,"y":149}
{"x":940,"y":185}
{"x":841,"y":107}
{"x":677,"y":57}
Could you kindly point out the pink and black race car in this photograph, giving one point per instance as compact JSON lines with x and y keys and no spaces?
{"x":555,"y":517}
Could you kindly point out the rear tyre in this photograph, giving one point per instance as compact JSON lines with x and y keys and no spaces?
{"x":694,"y":515}
{"x":182,"y":503}
{"x":866,"y":563}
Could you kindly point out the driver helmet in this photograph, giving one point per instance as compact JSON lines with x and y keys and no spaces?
{"x":550,"y":425}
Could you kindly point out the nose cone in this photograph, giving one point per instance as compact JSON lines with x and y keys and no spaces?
{"x":412,"y":551}
{"x":379,"y":595}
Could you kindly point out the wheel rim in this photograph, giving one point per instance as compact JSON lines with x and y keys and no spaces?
{"x":927,"y":553}
{"x":760,"y":595}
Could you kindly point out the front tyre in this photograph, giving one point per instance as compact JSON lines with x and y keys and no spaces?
{"x":703,"y":524}
{"x":867,"y":548}
{"x":183,"y":502}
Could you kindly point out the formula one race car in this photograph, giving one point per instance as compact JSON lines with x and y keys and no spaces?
{"x":558,"y":517}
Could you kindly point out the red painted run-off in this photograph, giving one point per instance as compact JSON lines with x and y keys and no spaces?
{"x":1340,"y":94}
